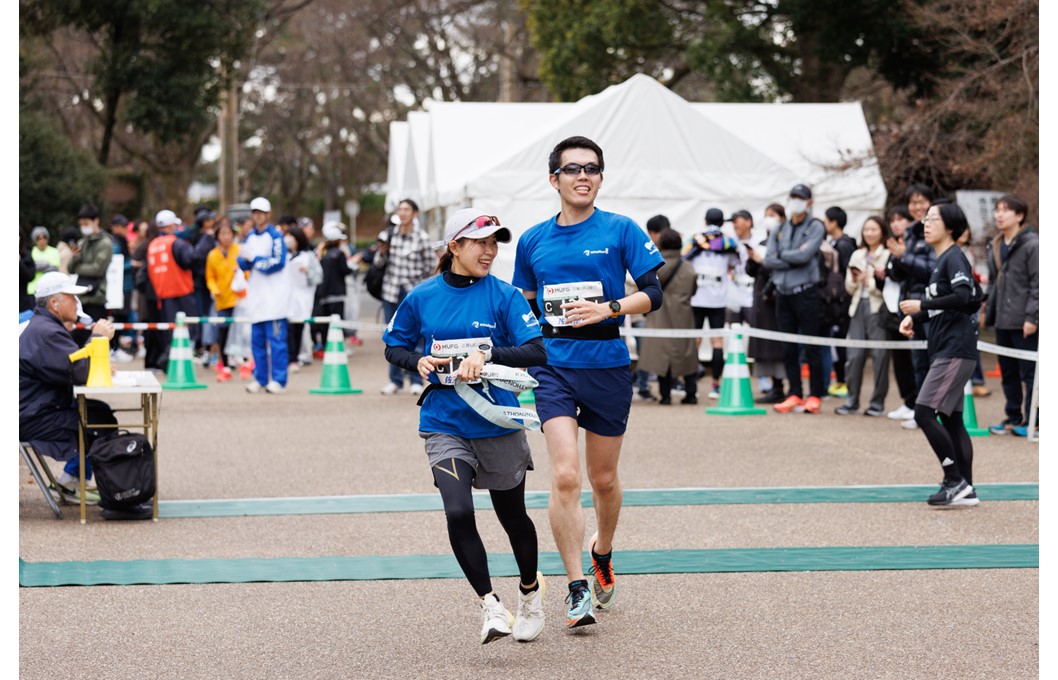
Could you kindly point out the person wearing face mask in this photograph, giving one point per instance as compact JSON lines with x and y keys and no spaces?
{"x":911,"y":263}
{"x":793,"y":252}
{"x":90,"y":261}
{"x":768,"y":361}
{"x":479,"y":319}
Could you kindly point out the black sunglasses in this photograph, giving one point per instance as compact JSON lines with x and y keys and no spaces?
{"x":573,"y":169}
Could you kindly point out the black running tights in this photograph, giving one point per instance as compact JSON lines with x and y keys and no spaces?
{"x":949,"y":440}
{"x":463,"y":530}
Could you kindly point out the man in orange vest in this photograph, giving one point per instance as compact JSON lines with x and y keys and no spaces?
{"x":169,"y":261}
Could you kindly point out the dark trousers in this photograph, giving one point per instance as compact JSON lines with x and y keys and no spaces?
{"x":920,"y":357}
{"x":294,"y":333}
{"x":904,"y":372}
{"x":1017,"y":372}
{"x":799,"y":313}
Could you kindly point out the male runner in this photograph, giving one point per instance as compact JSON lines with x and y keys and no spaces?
{"x":572,"y":268}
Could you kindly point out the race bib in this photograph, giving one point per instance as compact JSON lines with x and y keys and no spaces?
{"x":458,"y":350}
{"x":710,"y":282}
{"x":557,"y":295}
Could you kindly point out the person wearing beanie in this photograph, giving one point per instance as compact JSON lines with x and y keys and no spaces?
{"x":45,"y":256}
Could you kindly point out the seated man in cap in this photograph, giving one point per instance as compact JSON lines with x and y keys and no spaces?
{"x":47,"y":415}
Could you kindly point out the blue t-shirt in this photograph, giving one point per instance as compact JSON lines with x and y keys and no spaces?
{"x":491,"y":310}
{"x":597,"y":251}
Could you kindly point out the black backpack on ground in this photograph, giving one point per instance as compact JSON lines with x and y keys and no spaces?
{"x":123,"y":464}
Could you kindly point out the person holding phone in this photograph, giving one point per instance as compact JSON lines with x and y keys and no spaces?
{"x":865,"y":320}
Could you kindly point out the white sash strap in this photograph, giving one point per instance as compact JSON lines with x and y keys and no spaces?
{"x":506,"y":378}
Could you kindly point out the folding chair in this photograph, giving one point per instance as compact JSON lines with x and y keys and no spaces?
{"x":25,"y":448}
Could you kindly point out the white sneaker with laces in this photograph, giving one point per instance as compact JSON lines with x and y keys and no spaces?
{"x":529,"y":621}
{"x":390,"y":389}
{"x":275,"y":388}
{"x":902,"y":413}
{"x":496,"y":621}
{"x":416,"y":389}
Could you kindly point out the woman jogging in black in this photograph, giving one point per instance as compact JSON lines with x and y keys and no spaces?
{"x":466,"y":317}
{"x":949,"y":309}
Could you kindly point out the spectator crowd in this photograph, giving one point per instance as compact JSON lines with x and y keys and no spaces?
{"x":796,"y":272}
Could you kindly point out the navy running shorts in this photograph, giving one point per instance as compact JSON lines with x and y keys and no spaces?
{"x":599,"y":398}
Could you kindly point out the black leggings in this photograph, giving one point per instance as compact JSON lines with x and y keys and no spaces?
{"x":463,"y":531}
{"x":949,"y":440}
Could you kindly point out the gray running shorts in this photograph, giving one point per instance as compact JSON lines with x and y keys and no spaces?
{"x":942,"y":390}
{"x":499,"y":462}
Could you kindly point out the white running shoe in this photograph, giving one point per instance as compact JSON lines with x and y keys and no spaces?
{"x":275,"y":388}
{"x":909,"y":424}
{"x":255,"y":387}
{"x":902,"y":413}
{"x":390,"y":389}
{"x":496,"y":621}
{"x":120,"y":356}
{"x":416,"y":389}
{"x":529,"y":621}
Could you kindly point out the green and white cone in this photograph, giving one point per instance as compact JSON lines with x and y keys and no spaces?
{"x":969,"y":413}
{"x":180,"y":373}
{"x":736,"y":390}
{"x":335,"y":376}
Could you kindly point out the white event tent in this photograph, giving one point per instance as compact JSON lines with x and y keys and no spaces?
{"x":662,"y":155}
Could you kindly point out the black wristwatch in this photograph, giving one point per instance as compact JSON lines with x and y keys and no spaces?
{"x":615,"y":308}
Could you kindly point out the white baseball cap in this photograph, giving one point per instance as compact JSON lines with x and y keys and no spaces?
{"x":333,"y":231}
{"x":473,"y":223}
{"x":166,"y":218}
{"x":261,"y":203}
{"x":54,"y":283}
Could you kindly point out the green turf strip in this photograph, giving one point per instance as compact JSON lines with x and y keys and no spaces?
{"x":324,"y":505}
{"x":288,"y":569}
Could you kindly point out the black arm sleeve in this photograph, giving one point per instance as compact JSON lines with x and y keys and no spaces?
{"x":403,"y":358}
{"x":532,"y":353}
{"x":648,"y":283}
{"x":535,"y":306}
{"x":957,"y":299}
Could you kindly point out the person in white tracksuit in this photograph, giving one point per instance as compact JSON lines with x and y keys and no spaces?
{"x":264,"y":254}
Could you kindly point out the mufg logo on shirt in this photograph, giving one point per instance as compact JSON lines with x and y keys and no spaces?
{"x":604,"y":251}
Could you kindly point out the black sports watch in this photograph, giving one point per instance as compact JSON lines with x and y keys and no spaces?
{"x":615,"y":308}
